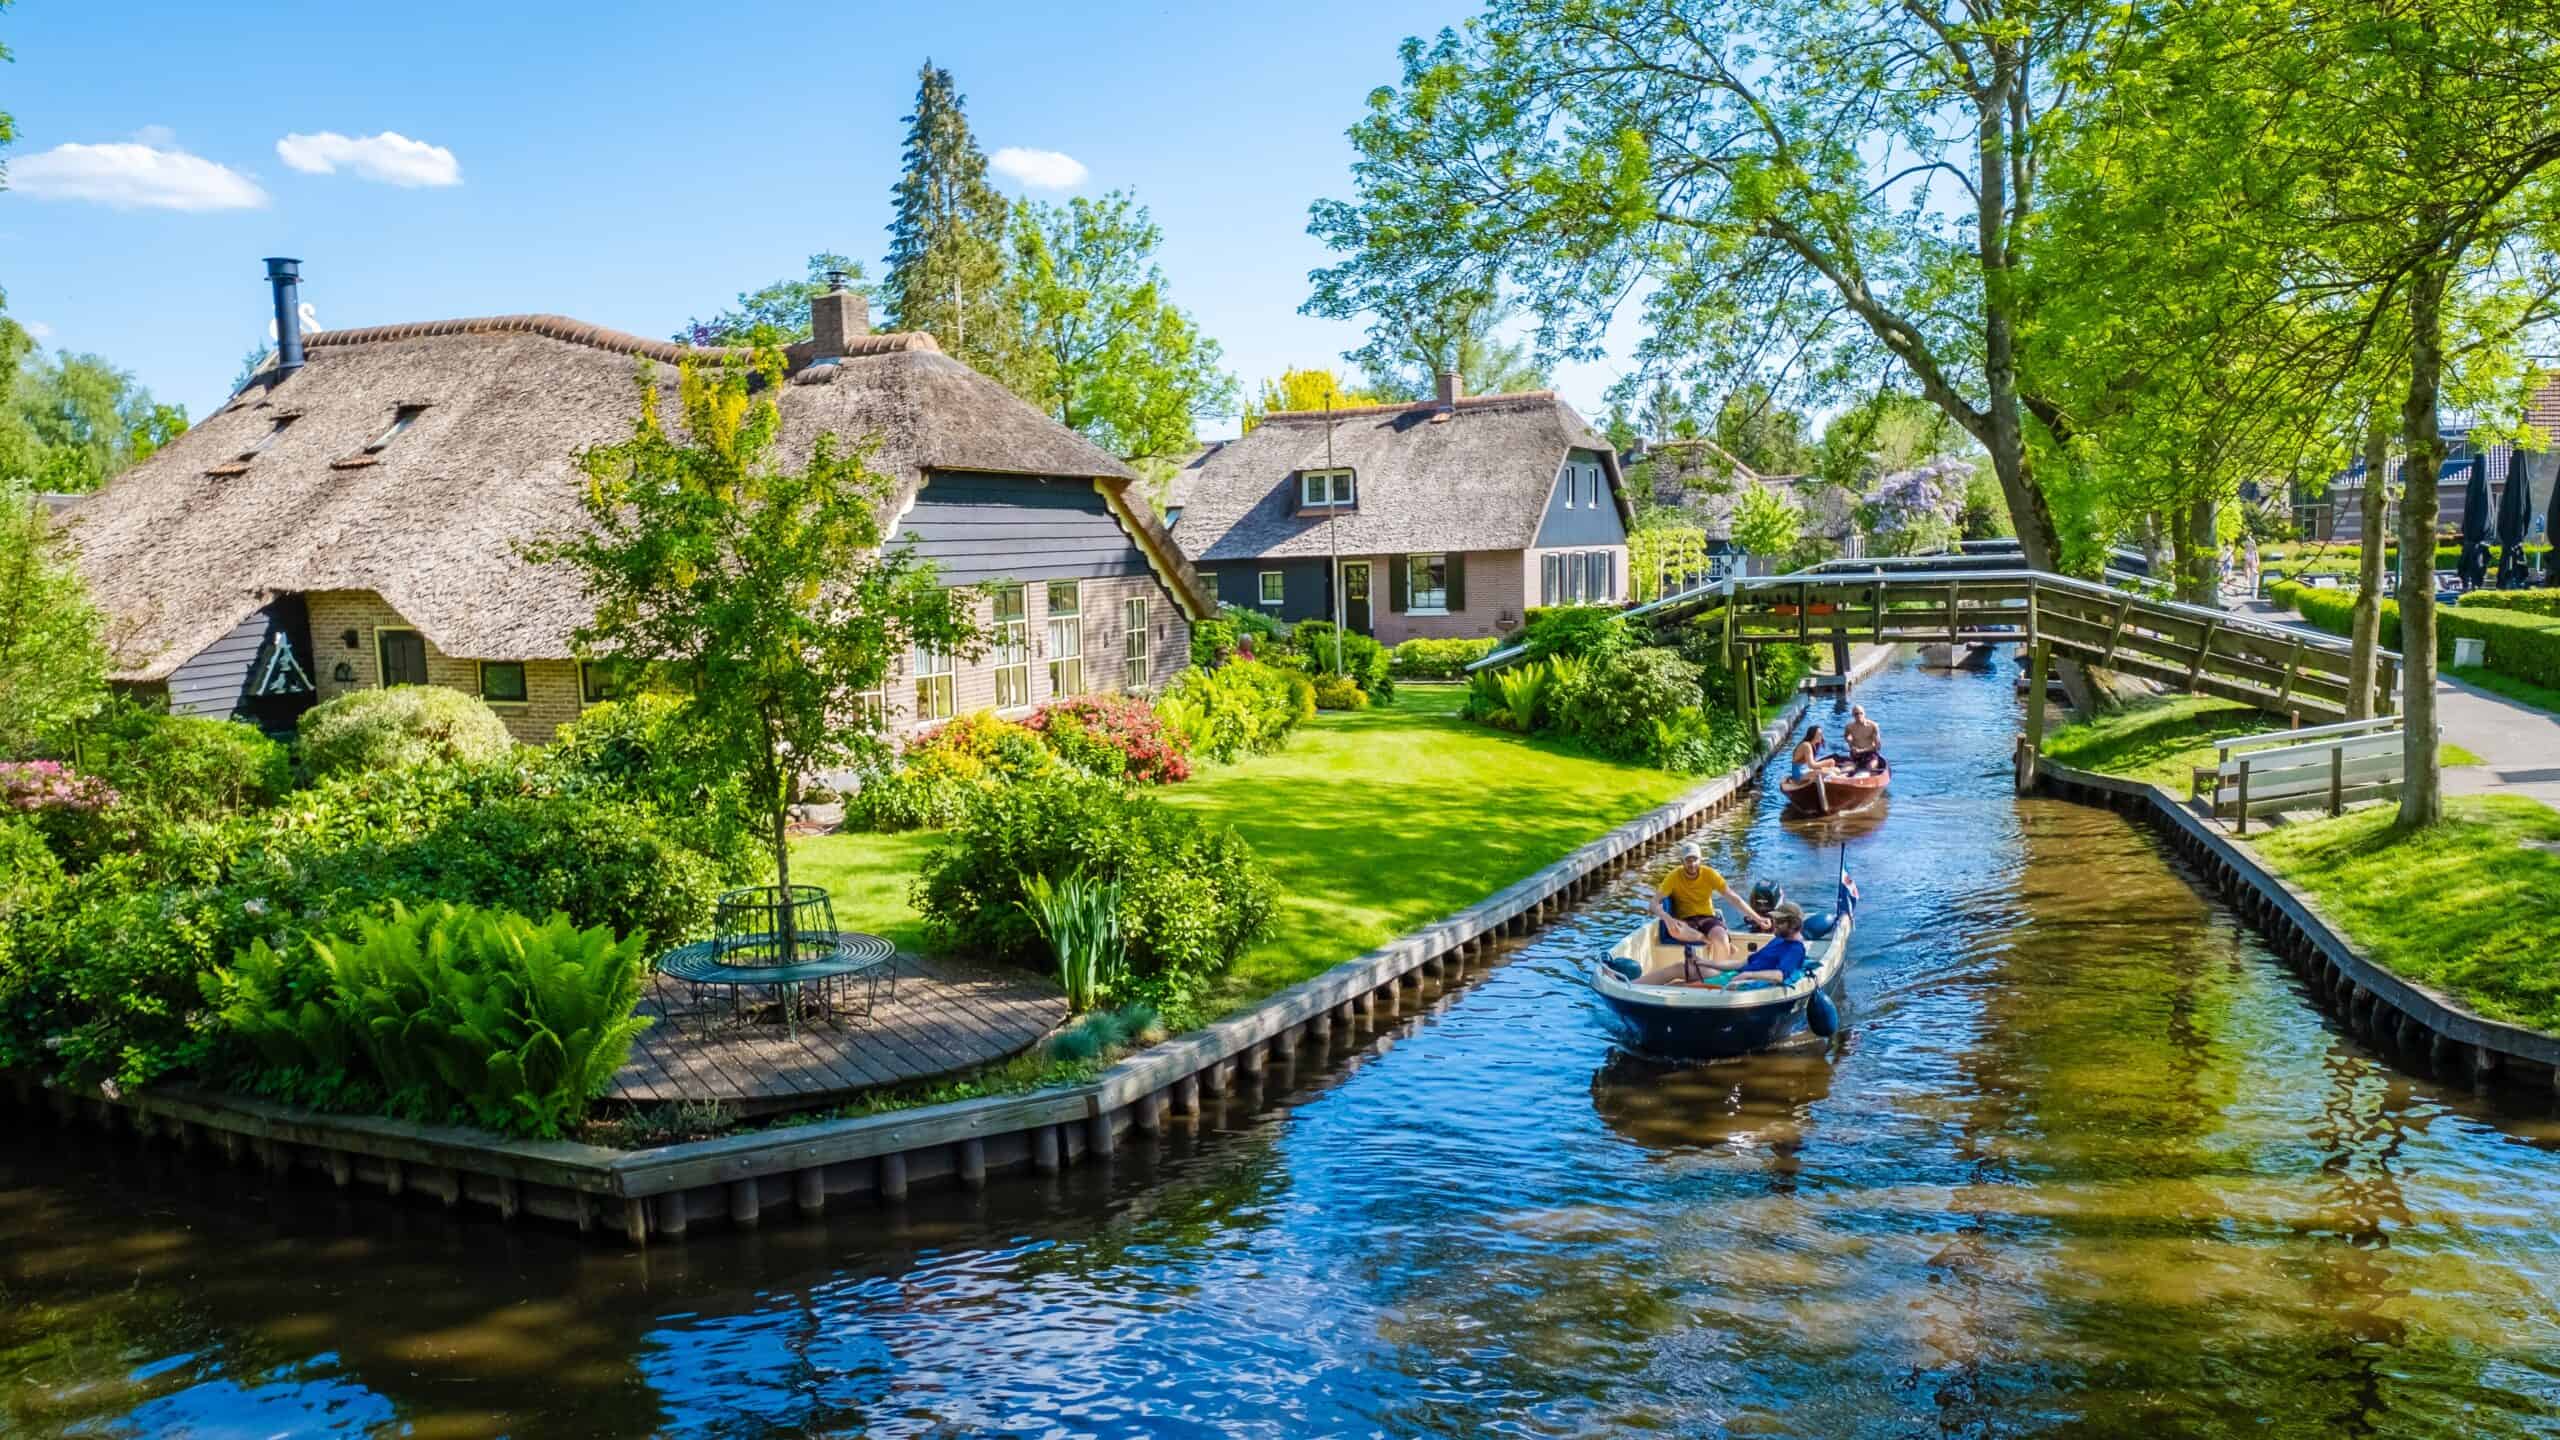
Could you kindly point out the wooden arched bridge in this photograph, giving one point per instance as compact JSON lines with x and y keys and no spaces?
{"x":1956,"y":599}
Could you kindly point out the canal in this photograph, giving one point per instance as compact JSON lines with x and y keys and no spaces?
{"x":2085,"y":1162}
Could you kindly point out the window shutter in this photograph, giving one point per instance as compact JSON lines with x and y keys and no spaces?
{"x":1457,"y":582}
{"x":1399,"y":582}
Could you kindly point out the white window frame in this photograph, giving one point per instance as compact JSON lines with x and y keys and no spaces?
{"x":872,"y":705}
{"x":1012,"y":655}
{"x":1327,"y":489}
{"x":1274,"y":588}
{"x":1573,"y":578}
{"x":1066,"y":638}
{"x":936,"y":685}
{"x":1415,"y":568}
{"x":1137,"y":615}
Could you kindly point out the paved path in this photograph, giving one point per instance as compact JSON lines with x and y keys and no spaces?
{"x":2518,"y":745}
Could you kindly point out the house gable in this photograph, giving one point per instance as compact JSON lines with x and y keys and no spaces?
{"x":1582,"y":504}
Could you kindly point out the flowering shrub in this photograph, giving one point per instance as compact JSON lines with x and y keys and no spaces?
{"x":981,"y":745}
{"x":71,"y":810}
{"x":1114,"y":737}
{"x":1914,"y":511}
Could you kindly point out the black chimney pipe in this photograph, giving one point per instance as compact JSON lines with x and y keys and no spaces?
{"x":285,"y":276}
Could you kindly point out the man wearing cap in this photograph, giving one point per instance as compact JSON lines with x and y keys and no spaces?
{"x":1688,"y":906}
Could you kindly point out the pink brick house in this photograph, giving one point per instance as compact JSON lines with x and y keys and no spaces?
{"x":1446,"y":517}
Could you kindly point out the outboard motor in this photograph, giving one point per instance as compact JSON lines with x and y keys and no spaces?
{"x":1766,"y":895}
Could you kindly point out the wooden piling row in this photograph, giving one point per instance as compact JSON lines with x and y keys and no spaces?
{"x":2412,"y":1026}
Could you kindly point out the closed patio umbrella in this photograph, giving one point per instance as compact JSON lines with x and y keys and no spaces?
{"x":2515,"y":521}
{"x":2551,"y":534}
{"x":2475,"y":525}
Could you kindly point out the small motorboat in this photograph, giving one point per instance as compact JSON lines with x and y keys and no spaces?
{"x":1715,"y":1020}
{"x":1835,"y":792}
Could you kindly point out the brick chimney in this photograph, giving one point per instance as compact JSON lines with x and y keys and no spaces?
{"x":1451,"y":387}
{"x":836,"y":319}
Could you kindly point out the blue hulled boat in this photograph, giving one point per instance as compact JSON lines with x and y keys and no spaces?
{"x":1710,"y":1022}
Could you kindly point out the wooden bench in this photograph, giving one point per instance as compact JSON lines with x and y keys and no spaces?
{"x":2327,"y":765}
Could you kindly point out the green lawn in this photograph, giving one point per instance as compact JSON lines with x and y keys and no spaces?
{"x":1375,"y":822}
{"x":2469,"y":907}
{"x":2162,"y":741}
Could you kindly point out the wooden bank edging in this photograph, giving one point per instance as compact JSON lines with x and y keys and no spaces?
{"x":2398,"y":1016}
{"x":662,"y":1192}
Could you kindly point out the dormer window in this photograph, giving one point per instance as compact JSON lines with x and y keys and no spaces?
{"x":282,"y":423}
{"x":401,"y":419}
{"x":1325,"y":490}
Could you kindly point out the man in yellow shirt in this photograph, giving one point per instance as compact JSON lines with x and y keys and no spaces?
{"x":1688,"y":906}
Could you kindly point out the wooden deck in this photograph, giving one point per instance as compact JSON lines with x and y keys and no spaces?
{"x":948,"y":1016}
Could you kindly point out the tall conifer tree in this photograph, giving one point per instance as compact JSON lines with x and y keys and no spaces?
{"x":946,"y":244}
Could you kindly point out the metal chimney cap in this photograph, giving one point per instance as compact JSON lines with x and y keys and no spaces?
{"x":283,"y":267}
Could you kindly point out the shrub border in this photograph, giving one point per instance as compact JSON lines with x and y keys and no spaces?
{"x":659,"y":1192}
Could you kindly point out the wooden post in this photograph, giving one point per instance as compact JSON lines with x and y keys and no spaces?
{"x":893,"y":1174}
{"x":2037,"y":661}
{"x":1046,"y":1150}
{"x":973,"y":1163}
{"x":809,"y":1190}
{"x":1953,"y":587}
{"x":746,"y":1205}
{"x":2337,"y":779}
{"x":2244,"y":794}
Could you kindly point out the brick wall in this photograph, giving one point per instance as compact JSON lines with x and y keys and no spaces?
{"x":1103,"y":637}
{"x":552,"y":697}
{"x":1493,"y":600}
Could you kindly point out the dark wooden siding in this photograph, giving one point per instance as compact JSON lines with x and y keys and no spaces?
{"x":1013,"y":527}
{"x":215,"y":681}
{"x":1304,"y":594}
{"x":1584,"y":523}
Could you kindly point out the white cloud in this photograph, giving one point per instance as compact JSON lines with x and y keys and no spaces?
{"x":131,"y":175}
{"x":158,"y":137}
{"x":1039,"y":169}
{"x":38,"y":330}
{"x":390,"y":157}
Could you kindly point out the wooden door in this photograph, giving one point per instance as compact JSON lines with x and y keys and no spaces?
{"x":1355,"y":596}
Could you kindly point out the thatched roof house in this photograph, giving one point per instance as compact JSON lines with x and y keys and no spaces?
{"x":1449,"y":516}
{"x":382,"y":488}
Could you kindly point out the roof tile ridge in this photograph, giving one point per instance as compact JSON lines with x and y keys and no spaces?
{"x":599,"y":337}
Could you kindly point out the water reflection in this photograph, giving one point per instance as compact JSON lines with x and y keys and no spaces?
{"x":2083,"y":1163}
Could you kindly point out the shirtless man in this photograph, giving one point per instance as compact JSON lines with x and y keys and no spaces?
{"x":1866,"y":742}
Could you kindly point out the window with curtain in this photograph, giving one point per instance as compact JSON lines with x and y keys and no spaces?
{"x":1066,"y":637}
{"x":1134,"y":642}
{"x":1012,"y":649}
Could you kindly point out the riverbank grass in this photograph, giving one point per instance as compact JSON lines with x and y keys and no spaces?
{"x":2164,"y":741}
{"x":2468,"y":907}
{"x":1375,"y":822}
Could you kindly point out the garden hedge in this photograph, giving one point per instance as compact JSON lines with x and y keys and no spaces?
{"x":2521,"y":646}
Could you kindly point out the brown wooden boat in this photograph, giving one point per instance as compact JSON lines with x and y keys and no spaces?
{"x":1832,"y":793}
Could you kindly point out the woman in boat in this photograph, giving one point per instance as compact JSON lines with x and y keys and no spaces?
{"x":1808,"y":759}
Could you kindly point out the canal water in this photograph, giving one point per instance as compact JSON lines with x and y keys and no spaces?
{"x":2085,"y":1162}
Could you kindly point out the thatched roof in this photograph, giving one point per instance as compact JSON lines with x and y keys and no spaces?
{"x":184,"y":545}
{"x":1475,"y":477}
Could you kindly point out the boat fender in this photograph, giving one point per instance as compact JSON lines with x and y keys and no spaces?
{"x":1821,"y":1016}
{"x":1624,"y":966}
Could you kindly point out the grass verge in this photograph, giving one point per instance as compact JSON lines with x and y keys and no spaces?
{"x":2162,"y":741}
{"x":2468,"y":907}
{"x":1375,"y":822}
{"x":2523,"y":692}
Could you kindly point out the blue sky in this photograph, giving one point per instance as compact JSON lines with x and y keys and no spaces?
{"x":634,"y":164}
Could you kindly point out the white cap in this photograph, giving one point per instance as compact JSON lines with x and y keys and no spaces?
{"x":1692,"y":851}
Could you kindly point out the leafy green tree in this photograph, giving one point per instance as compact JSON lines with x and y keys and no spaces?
{"x":1105,"y":349}
{"x":947,"y":238}
{"x":1410,"y":345}
{"x":1305,"y":389}
{"x":1796,"y":187}
{"x":762,"y":591}
{"x":1757,"y":429}
{"x":53,"y":657}
{"x":779,"y":311}
{"x":1766,"y":523}
{"x":77,"y":421}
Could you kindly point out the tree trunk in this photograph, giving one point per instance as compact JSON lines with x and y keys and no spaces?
{"x":787,"y":934}
{"x":2204,"y":580}
{"x":2365,"y":635}
{"x":2422,"y":791}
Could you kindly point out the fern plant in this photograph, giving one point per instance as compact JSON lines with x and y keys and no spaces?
{"x":1524,"y":695}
